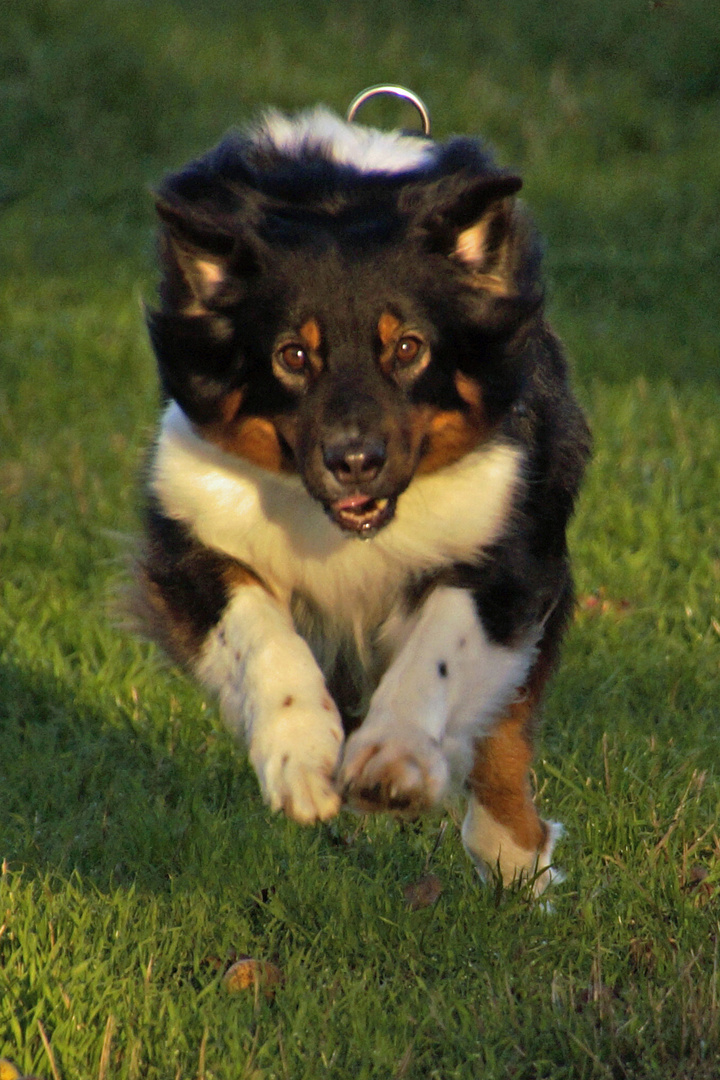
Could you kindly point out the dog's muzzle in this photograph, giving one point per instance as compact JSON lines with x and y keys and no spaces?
{"x":355,"y":464}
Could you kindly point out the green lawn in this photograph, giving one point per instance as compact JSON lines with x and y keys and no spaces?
{"x":138,"y":858}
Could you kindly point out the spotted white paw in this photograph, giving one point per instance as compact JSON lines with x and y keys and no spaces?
{"x":405,"y":773}
{"x":295,"y":754}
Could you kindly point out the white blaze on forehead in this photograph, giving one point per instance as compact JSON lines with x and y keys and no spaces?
{"x":346,"y":143}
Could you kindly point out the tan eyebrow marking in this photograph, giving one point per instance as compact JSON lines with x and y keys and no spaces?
{"x":311,"y":335}
{"x":388,"y":327}
{"x":468,"y":390}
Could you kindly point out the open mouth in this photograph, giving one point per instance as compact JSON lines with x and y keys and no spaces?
{"x":361,"y":514}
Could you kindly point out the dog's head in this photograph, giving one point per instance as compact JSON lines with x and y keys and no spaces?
{"x":344,"y":304}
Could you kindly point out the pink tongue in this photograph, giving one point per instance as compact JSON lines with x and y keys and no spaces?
{"x":352,"y":502}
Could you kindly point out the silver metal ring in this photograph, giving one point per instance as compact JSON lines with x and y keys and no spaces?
{"x":392,"y":91}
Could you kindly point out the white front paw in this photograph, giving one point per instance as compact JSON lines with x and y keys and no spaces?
{"x":295,"y":754}
{"x":405,"y":773}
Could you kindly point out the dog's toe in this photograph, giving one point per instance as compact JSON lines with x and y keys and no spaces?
{"x":404,"y":776}
{"x":296,"y":759}
{"x":307,"y":795}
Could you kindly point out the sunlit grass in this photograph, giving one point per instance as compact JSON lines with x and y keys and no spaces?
{"x":139,"y":859}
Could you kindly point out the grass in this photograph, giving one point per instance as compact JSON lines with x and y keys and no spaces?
{"x":138,"y":858}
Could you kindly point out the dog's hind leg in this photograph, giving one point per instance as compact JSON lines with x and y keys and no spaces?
{"x":502,"y":830}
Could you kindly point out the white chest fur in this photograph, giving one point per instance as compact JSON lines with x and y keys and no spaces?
{"x":270,"y":523}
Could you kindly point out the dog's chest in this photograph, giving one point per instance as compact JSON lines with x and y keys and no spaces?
{"x":269,"y":523}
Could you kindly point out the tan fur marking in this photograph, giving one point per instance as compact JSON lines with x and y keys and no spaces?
{"x":231,"y":403}
{"x":473,"y":247}
{"x":499,"y":778}
{"x":236,"y":574}
{"x":450,"y":434}
{"x":203,"y":276}
{"x":388,"y":331}
{"x":468,"y":390}
{"x":493,"y":284}
{"x":388,"y":328}
{"x":253,"y":437}
{"x":170,"y":626}
{"x":211,"y":273}
{"x":311,"y":335}
{"x":470,"y":249}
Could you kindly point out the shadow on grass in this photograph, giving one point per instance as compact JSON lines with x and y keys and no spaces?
{"x":98,"y":792}
{"x":162,"y":804}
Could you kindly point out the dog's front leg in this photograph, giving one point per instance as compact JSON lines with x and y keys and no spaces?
{"x":444,"y":688}
{"x":273,"y":694}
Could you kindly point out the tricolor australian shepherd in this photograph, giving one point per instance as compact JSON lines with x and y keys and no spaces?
{"x":358,"y":499}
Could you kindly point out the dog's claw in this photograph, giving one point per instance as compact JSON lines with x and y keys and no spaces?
{"x":401,"y":775}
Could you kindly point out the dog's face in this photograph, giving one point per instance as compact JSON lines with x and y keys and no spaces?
{"x":353,"y":328}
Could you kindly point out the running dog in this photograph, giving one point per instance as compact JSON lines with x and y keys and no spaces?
{"x":358,"y":497}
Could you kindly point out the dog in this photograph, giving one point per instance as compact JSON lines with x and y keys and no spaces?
{"x":358,"y":497}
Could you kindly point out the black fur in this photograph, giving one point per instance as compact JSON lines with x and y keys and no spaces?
{"x":348,"y":237}
{"x":185,"y":587}
{"x":265,"y":251}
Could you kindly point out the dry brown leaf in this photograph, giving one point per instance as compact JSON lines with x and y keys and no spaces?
{"x":8,"y":1071}
{"x":424,"y":892}
{"x":697,"y":885}
{"x":247,"y":973}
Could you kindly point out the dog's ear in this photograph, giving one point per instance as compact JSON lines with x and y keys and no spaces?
{"x":204,"y":254}
{"x":487,"y":243}
{"x":476,"y":222}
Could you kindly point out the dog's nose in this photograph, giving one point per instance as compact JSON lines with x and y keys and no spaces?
{"x":354,"y":460}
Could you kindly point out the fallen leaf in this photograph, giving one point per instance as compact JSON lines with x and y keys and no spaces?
{"x":697,"y":874}
{"x":8,"y":1071}
{"x":697,"y":885}
{"x":424,"y":892}
{"x":247,"y":973}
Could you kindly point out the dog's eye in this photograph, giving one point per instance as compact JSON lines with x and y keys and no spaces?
{"x":407,"y":350}
{"x":294,"y":358}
